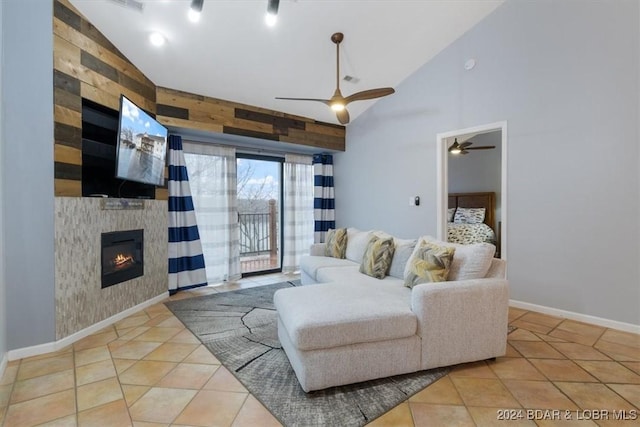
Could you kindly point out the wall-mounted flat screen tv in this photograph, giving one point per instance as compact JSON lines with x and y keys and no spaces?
{"x":142,"y":146}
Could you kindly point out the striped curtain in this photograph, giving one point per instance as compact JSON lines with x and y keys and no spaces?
{"x":186,"y":262}
{"x":298,"y":210}
{"x":214,"y":189}
{"x":323,"y":200}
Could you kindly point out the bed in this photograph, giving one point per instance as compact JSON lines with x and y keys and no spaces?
{"x":471,"y":218}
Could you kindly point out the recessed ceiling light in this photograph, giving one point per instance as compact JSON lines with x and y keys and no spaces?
{"x":195,"y":10}
{"x":272,"y":12}
{"x":194,"y":15}
{"x":157,"y":39}
{"x":271,"y":19}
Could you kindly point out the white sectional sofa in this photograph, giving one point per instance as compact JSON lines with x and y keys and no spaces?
{"x":349,"y":327}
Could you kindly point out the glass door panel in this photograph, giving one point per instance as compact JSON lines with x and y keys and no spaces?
{"x":259,"y":213}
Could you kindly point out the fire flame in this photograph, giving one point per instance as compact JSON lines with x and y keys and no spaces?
{"x":121,"y":259}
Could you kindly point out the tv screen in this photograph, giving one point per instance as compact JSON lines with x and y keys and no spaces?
{"x":142,"y":146}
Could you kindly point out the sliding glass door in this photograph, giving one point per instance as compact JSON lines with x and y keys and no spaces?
{"x":259,"y":213}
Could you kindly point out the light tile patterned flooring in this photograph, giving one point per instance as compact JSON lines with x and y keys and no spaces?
{"x":148,"y":370}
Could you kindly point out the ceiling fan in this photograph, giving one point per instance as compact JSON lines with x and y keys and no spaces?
{"x":466,"y":146}
{"x":338,"y":102}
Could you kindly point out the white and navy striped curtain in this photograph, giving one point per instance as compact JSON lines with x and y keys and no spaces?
{"x":212,"y":170}
{"x":298,"y":229}
{"x":323,"y":200}
{"x":186,"y":262}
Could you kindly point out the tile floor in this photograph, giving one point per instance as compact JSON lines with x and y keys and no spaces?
{"x":148,"y":370}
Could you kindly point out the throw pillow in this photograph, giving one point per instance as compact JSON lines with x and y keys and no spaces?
{"x":469,"y":216}
{"x":377,"y":257}
{"x":336,"y":243}
{"x":469,"y":262}
{"x":429,"y":263}
{"x":357,"y":242}
{"x":402,"y":253}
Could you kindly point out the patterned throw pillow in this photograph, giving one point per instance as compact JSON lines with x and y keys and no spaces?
{"x":429,"y":263}
{"x":377,"y":258}
{"x":469,"y":216}
{"x":336,"y":243}
{"x":450,"y":213}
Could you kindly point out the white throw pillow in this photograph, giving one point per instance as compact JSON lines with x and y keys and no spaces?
{"x":404,"y":250}
{"x":357,"y":242}
{"x":469,"y":261}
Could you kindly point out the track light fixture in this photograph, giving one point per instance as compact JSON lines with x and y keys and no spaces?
{"x":195,"y":10}
{"x":272,"y":12}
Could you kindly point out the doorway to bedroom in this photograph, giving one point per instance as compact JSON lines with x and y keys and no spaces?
{"x":472,"y":185}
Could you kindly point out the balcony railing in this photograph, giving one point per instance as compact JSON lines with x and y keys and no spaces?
{"x":259,"y":239}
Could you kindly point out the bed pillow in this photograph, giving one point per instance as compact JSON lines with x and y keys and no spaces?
{"x":469,"y":215}
{"x":429,"y":263}
{"x":450,"y":213}
{"x":336,"y":243}
{"x":377,"y":257}
{"x":357,"y":241}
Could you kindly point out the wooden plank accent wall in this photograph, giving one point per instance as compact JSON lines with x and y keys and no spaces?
{"x":192,"y":111}
{"x":87,"y":65}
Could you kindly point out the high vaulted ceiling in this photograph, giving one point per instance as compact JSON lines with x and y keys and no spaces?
{"x":232,"y":54}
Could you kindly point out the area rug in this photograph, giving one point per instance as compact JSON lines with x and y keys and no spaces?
{"x":239,"y":328}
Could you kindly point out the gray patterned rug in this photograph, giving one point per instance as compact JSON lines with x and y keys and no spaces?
{"x":239,"y":328}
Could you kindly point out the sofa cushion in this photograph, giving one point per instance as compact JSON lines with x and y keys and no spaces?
{"x":401,"y":254}
{"x":357,"y":241}
{"x":347,"y":276}
{"x":342,"y":315}
{"x":377,"y":258}
{"x":312,"y":264}
{"x":469,"y":261}
{"x":336,"y":243}
{"x":429,"y":263}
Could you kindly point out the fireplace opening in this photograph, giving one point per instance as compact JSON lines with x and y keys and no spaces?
{"x":122,"y":256}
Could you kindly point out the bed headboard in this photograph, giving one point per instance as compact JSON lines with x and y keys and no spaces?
{"x":476,"y":200}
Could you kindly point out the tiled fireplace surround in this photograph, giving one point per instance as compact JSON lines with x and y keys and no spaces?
{"x":79,"y":222}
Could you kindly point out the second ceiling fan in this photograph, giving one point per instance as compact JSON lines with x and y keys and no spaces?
{"x":464,"y":148}
{"x":337,"y":102}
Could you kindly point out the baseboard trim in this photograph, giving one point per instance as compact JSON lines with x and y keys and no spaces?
{"x":598,"y":321}
{"x":39,"y":349}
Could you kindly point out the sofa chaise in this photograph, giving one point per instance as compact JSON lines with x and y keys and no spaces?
{"x":350,"y":327}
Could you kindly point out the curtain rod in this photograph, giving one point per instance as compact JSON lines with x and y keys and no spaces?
{"x":248,"y":150}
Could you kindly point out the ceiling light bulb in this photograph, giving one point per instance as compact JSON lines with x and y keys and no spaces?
{"x":194,"y":15}
{"x":337,"y":107}
{"x":156,"y":39}
{"x":271,"y":19}
{"x":455,"y":151}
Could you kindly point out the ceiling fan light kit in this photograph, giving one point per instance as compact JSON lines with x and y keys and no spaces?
{"x":337,"y":102}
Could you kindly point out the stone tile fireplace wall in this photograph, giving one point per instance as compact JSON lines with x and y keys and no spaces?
{"x":79,"y":222}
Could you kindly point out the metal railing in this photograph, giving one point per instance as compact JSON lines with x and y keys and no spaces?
{"x":258,"y":232}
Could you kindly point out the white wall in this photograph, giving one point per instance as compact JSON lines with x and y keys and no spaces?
{"x":27,"y":197}
{"x":479,"y":170}
{"x":3,"y":303}
{"x":565,"y":77}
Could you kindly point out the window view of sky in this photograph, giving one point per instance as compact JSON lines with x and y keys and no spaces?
{"x":258,"y":179}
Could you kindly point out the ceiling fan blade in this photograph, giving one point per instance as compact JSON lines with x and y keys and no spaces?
{"x":343,"y":116}
{"x":324,"y":101}
{"x":486,"y":147}
{"x":465,"y":144}
{"x":369,"y":94}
